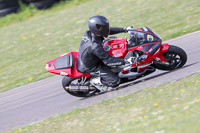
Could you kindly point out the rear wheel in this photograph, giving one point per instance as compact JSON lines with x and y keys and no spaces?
{"x":8,"y":7}
{"x":69,"y":81}
{"x":43,"y":4}
{"x":176,"y":58}
{"x":7,"y":11}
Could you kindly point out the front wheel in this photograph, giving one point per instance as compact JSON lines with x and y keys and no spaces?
{"x":176,"y":58}
{"x":66,"y":81}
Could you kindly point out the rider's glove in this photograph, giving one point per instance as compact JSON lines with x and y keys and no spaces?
{"x":130,"y":60}
{"x":128,"y":28}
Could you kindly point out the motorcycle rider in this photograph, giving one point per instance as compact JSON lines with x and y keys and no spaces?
{"x":93,"y":58}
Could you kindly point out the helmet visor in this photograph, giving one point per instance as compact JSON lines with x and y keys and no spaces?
{"x":104,"y":30}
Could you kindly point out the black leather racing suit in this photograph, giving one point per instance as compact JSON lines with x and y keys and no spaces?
{"x":93,"y":58}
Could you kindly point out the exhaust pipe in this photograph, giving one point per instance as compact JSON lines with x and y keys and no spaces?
{"x":79,"y":88}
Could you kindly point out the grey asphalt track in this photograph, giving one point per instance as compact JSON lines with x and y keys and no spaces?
{"x":37,"y":101}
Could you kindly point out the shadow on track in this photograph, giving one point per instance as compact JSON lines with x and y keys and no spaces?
{"x":142,"y":80}
{"x":155,"y":76}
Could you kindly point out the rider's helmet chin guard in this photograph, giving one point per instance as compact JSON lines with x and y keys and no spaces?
{"x":99,"y":25}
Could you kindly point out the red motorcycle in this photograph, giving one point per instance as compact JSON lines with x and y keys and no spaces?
{"x":144,"y":49}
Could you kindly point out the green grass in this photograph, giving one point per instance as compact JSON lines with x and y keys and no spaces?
{"x":27,"y":45}
{"x":169,"y":108}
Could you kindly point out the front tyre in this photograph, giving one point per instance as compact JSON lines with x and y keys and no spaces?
{"x":176,"y":58}
{"x":66,"y":81}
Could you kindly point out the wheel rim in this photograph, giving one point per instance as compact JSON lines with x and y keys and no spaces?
{"x":174,"y":59}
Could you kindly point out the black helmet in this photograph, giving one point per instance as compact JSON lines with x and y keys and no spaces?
{"x":99,"y":25}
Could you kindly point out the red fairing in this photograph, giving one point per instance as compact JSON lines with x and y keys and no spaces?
{"x":151,"y":50}
{"x":157,"y":55}
{"x":163,"y":48}
{"x":116,"y":47}
{"x":71,"y":72}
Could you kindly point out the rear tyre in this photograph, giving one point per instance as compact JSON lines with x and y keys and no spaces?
{"x":29,"y":1}
{"x":43,"y":4}
{"x":8,"y":7}
{"x":8,"y":4}
{"x":66,"y":81}
{"x":176,"y":58}
{"x":25,"y":2}
{"x":7,"y":11}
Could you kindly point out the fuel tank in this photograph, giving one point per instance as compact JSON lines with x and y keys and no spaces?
{"x":116,"y":47}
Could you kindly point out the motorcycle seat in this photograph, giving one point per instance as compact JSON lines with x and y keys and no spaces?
{"x":64,"y":62}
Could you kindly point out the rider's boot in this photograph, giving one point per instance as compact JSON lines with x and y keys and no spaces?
{"x":98,"y":84}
